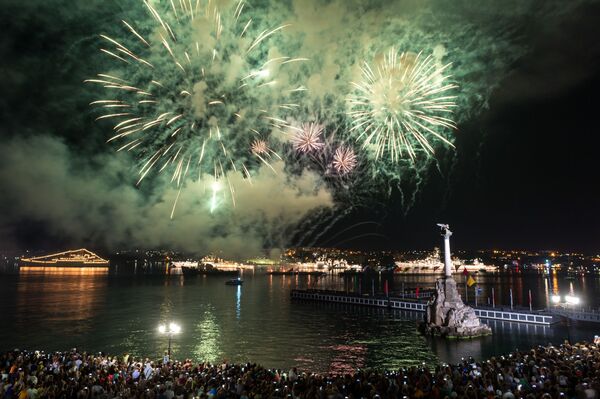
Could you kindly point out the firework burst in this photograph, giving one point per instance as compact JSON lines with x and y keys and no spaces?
{"x":259,"y":147}
{"x":344,"y":160}
{"x":192,"y":89}
{"x":401,"y":106}
{"x":308,"y":138}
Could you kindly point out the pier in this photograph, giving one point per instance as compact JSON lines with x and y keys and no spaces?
{"x":418,"y":305}
{"x":577,"y":314}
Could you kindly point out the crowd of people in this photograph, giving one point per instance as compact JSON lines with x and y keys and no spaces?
{"x":565,"y":371}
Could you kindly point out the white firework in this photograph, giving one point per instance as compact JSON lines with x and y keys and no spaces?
{"x":308,"y":138}
{"x":192,"y":87}
{"x":344,"y":160}
{"x":401,"y":106}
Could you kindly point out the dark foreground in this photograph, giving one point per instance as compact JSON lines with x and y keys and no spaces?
{"x":565,"y":371}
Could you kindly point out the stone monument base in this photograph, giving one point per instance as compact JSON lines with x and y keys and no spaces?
{"x":448,"y":316}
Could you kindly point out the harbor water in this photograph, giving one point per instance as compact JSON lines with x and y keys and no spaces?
{"x":119,"y":311}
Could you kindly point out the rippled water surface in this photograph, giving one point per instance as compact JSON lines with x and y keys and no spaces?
{"x":256,"y":322}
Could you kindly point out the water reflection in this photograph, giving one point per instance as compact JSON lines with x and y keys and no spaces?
{"x":209,"y":337}
{"x":120,"y":313}
{"x":347,"y":358}
{"x":60,"y":296}
{"x":554,"y":282}
{"x":65,"y":271}
{"x":238,"y":302}
{"x":546,"y":293}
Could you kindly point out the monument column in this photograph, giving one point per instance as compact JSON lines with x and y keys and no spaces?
{"x":447,"y":259}
{"x":447,"y":315}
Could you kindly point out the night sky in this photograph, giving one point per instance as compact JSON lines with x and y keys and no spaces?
{"x":523,"y":174}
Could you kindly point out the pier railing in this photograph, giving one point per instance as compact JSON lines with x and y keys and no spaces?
{"x":419,"y":305}
{"x":579,"y":314}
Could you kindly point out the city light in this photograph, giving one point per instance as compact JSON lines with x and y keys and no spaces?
{"x":555,"y":298}
{"x":572,"y":300}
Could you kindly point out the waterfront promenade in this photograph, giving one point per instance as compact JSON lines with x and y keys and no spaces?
{"x":563,"y":371}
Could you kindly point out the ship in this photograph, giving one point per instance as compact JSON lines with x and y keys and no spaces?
{"x":209,"y":266}
{"x":77,"y":258}
{"x":432,"y":264}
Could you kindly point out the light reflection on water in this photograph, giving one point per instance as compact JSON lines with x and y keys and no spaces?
{"x":255,"y":322}
{"x":208,"y":334}
{"x":238,"y":302}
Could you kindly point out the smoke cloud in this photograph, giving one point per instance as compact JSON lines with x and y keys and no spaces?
{"x":46,"y":183}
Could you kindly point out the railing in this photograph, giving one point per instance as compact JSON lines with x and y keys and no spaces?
{"x":591,"y":315}
{"x":518,"y":316}
{"x":515,"y":316}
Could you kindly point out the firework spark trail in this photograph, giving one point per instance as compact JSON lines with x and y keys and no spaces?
{"x":191,"y":90}
{"x":325,"y":224}
{"x":308,"y":138}
{"x":330,"y":225}
{"x":361,"y":236}
{"x":401,"y":106}
{"x":312,"y":223}
{"x":348,"y":229}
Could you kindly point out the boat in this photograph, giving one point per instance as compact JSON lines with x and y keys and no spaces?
{"x":234,"y":281}
{"x":78,"y":258}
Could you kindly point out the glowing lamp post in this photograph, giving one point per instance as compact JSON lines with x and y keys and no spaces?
{"x":572,"y":300}
{"x":170,"y":330}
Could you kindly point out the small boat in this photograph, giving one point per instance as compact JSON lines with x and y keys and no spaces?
{"x":234,"y":281}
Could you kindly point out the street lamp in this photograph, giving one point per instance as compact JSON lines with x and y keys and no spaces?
{"x":555,"y":299}
{"x":572,"y":300}
{"x":169,"y":330}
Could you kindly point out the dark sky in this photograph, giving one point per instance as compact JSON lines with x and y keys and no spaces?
{"x":527,"y":169}
{"x":524,"y":173}
{"x":534,"y":184}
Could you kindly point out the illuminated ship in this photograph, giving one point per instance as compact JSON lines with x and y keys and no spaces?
{"x":77,"y":258}
{"x":433,"y":265}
